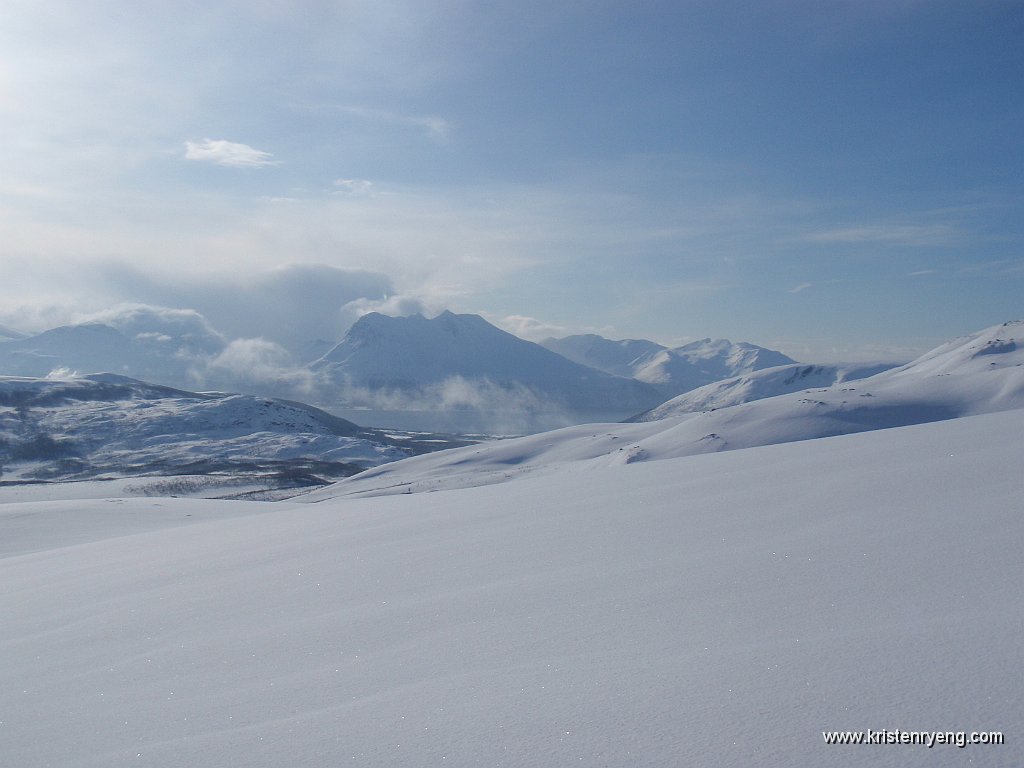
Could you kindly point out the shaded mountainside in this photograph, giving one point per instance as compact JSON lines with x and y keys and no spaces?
{"x":616,"y":357}
{"x":112,"y":426}
{"x":9,"y":334}
{"x":417,"y":359}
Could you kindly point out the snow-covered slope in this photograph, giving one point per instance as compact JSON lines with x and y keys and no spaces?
{"x":767,"y":382}
{"x":719,"y":610}
{"x":702,"y":362}
{"x":464,"y":361}
{"x":980,"y":373}
{"x":111,"y":426}
{"x":672,"y":371}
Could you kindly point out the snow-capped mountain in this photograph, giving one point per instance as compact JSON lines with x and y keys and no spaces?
{"x":674,"y":370}
{"x":168,"y":352}
{"x":464,"y":361}
{"x":975,"y":374}
{"x":618,"y":358}
{"x":107,"y":426}
{"x":767,"y":382}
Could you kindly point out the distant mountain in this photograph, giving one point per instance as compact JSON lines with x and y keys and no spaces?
{"x":96,"y":348}
{"x":9,"y":334}
{"x":619,"y":358}
{"x":463,"y":361}
{"x":671,"y":371}
{"x":976,"y":374}
{"x":109,"y":426}
{"x":767,"y":382}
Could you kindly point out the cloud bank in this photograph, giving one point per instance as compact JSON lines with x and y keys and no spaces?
{"x":293,"y":306}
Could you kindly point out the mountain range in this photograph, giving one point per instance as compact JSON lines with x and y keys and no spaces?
{"x":975,"y":374}
{"x":450,"y":372}
{"x":670,"y":370}
{"x":616,"y":606}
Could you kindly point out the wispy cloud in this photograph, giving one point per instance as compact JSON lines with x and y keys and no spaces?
{"x":528,"y":328}
{"x":801,"y":287}
{"x":353,"y":187}
{"x":228,"y":153}
{"x":901,"y":234}
{"x":434,"y":127}
{"x":921,"y":272}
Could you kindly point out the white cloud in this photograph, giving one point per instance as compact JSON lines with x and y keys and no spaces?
{"x":293,"y":305}
{"x":353,"y":187}
{"x":801,"y":287}
{"x":528,"y":328}
{"x":394,"y":306}
{"x":228,"y":153}
{"x":141,"y":321}
{"x":258,"y":364}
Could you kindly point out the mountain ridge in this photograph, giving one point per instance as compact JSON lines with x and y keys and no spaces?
{"x":672,"y":370}
{"x":975,"y":374}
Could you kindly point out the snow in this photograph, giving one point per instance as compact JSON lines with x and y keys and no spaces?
{"x":962,"y":378}
{"x":615,"y":357}
{"x":462,"y":361}
{"x":757,"y":385}
{"x":718,"y":610}
{"x":107,"y":426}
{"x":672,"y":371}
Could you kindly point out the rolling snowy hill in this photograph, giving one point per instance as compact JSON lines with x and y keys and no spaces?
{"x":462,"y":361}
{"x":721,"y":610}
{"x":110,"y":427}
{"x":767,"y":382}
{"x":979,"y":373}
{"x":672,"y":371}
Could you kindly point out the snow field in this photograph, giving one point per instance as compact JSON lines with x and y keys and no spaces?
{"x":718,"y":610}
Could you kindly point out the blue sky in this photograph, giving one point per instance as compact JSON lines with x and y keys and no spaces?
{"x":834,"y":179}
